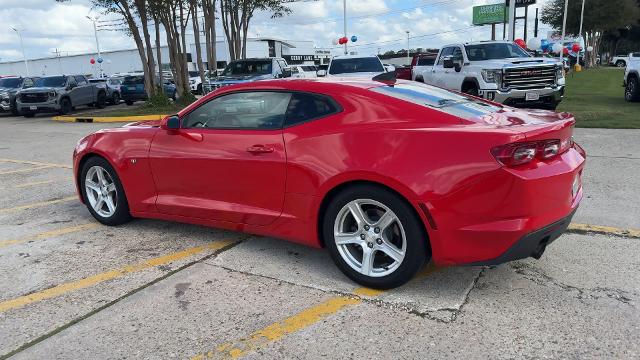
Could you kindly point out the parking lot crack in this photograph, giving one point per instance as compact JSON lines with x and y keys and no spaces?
{"x":581,"y":293}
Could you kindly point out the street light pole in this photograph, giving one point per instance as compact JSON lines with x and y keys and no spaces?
{"x":512,"y":20}
{"x":408,"y":58}
{"x":24,"y":56}
{"x":564,"y":29}
{"x":580,"y":32}
{"x":95,"y":32}
{"x":344,"y":7}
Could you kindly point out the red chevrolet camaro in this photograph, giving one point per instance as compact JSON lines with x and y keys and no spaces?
{"x":384,"y":174}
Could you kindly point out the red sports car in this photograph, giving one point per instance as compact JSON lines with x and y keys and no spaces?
{"x":384,"y":174}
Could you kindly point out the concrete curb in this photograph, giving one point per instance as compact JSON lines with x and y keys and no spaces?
{"x":107,"y":119}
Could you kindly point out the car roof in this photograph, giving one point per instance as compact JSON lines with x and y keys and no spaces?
{"x":354,"y":56}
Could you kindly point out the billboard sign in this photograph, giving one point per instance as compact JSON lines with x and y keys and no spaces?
{"x":488,"y":14}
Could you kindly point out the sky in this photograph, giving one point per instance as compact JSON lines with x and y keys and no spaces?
{"x":380,"y":25}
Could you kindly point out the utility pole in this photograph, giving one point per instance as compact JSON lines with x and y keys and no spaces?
{"x":24,"y":56}
{"x":344,"y":6}
{"x":95,"y":32}
{"x":512,"y":20}
{"x":535,"y":28}
{"x":564,"y":29}
{"x":408,"y":57}
{"x":580,"y":34}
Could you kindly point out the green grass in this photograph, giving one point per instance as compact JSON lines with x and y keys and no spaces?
{"x":142,"y":109}
{"x":596,"y":98}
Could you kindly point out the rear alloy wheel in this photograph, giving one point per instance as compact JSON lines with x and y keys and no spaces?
{"x":632,"y":90}
{"x":115,"y":98}
{"x":471,"y":90}
{"x":103,"y":193}
{"x":128,"y":102}
{"x":65,"y":106}
{"x":621,"y":64}
{"x":374,"y":237}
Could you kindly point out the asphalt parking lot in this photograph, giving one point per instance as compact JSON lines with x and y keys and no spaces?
{"x":72,"y":288}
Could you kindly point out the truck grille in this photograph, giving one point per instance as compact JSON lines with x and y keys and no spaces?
{"x":536,"y":77}
{"x":34,"y":97}
{"x":208,"y":87}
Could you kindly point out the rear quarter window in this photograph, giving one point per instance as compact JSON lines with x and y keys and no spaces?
{"x":305,"y":107}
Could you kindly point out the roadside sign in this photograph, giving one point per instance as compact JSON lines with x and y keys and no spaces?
{"x":488,"y":14}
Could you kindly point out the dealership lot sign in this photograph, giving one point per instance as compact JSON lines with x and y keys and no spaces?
{"x":488,"y":14}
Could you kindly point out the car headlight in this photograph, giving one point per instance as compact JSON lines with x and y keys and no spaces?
{"x":52,"y":94}
{"x":4,"y":95}
{"x":192,"y":81}
{"x":492,"y":76}
{"x":559,"y":72}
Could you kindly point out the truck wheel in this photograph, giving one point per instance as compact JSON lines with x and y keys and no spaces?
{"x":128,"y":102}
{"x":470,"y":89}
{"x":632,"y":90}
{"x":102,"y":100}
{"x":65,"y":106}
{"x":199,"y":89}
{"x":115,"y":98}
{"x":419,"y":79}
{"x":14,"y":108}
{"x":621,"y":63}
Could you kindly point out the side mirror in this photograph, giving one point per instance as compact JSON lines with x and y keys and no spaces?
{"x":286,"y":72}
{"x":71,"y":86}
{"x":389,"y":68}
{"x":447,"y":63}
{"x":457,"y":67}
{"x":171,"y":123}
{"x":321,"y":73}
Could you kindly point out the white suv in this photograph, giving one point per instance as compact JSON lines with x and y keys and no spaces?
{"x":354,"y":66}
{"x":632,"y":80}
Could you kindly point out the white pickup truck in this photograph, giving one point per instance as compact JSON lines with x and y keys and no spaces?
{"x":632,"y":80}
{"x":499,"y":71}
{"x":622,"y":61}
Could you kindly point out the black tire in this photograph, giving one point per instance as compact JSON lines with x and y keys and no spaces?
{"x":121,"y":214}
{"x":621,"y":63}
{"x":65,"y":106}
{"x":14,"y":108}
{"x":128,"y":102}
{"x":101,"y":102}
{"x":199,"y":89}
{"x":419,"y":79}
{"x":470,"y":89}
{"x":28,"y":114}
{"x":416,"y":252}
{"x":115,"y":98}
{"x":632,"y":90}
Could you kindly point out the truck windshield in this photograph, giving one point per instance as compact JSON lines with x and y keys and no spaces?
{"x":247,"y":68}
{"x":10,"y":83}
{"x":494,"y":51}
{"x":459,"y":105}
{"x":51,"y":81}
{"x":355,"y":65}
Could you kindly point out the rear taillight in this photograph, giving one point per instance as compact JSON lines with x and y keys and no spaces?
{"x":523,"y":152}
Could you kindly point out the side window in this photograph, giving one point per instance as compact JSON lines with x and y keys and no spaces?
{"x":28,"y":82}
{"x":81,"y":80}
{"x":304,"y":107}
{"x":445,"y":52}
{"x":281,"y":65}
{"x":71,"y":81}
{"x":262,"y":110}
{"x":424,"y":61}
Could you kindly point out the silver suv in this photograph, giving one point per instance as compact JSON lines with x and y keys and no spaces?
{"x":59,"y":94}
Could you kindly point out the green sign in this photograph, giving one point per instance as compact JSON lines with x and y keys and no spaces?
{"x":488,"y":14}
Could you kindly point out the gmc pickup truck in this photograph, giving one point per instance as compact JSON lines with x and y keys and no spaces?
{"x":239,"y":71}
{"x":59,"y":94}
{"x":499,"y":71}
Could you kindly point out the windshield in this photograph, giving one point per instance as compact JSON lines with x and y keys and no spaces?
{"x":494,"y":51}
{"x":11,"y":83}
{"x":97,"y":80}
{"x":355,"y":65}
{"x":51,"y":81}
{"x":459,"y":105}
{"x":247,"y":68}
{"x":133,"y":80}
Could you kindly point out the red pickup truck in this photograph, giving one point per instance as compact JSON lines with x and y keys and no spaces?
{"x":418,"y":63}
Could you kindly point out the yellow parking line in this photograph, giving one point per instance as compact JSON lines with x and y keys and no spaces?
{"x":38,"y":204}
{"x":41,"y":167}
{"x":295,"y":323}
{"x":49,"y":234}
{"x":109,"y":275}
{"x":605,"y":230}
{"x":35,"y":183}
{"x":15,"y":161}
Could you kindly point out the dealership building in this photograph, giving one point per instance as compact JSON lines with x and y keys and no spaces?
{"x":126,"y":61}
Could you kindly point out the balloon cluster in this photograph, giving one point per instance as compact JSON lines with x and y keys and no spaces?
{"x":537,"y":44}
{"x":344,"y":40}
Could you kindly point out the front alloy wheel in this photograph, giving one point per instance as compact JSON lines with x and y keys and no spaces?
{"x":375,"y":237}
{"x":632,"y":90}
{"x":103,"y":193}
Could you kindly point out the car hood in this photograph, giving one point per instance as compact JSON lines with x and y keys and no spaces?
{"x":9,"y":90}
{"x":241,"y":78}
{"x":145,"y":123}
{"x":40,"y":89}
{"x":515,"y":62}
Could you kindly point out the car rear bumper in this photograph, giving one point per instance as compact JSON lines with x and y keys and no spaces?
{"x":497,"y":212}
{"x":533,"y":244}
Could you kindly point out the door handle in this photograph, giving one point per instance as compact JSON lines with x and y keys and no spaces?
{"x":260,"y":149}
